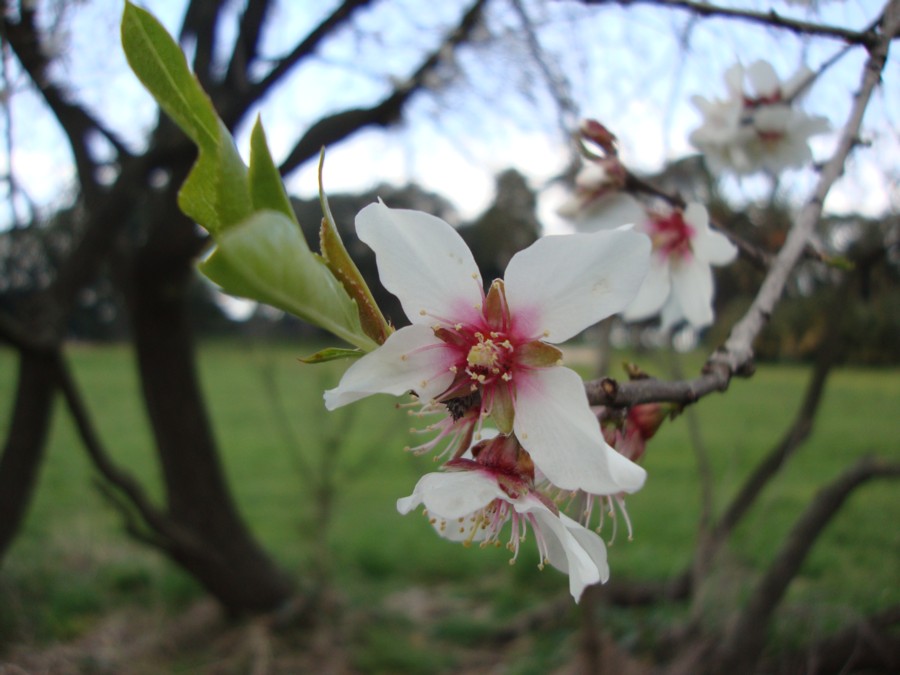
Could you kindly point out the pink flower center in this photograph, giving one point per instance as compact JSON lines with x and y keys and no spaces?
{"x":768,"y":137}
{"x":671,"y":235}
{"x":771,"y":99}
{"x":490,"y":357}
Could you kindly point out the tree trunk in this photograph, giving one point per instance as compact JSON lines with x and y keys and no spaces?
{"x":24,"y":449}
{"x":224,"y":557}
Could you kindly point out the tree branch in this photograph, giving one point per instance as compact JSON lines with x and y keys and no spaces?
{"x":23,"y":449}
{"x":736,"y":357}
{"x":744,"y":641}
{"x":770,"y":18}
{"x":334,"y":128}
{"x":75,"y":121}
{"x":871,"y":643}
{"x":166,"y":533}
{"x":201,"y":20}
{"x":246,"y":45}
{"x":306,"y":47}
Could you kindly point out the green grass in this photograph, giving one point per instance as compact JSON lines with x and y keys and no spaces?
{"x":72,"y":561}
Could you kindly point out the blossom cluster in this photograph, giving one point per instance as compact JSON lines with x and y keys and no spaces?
{"x":479,"y":359}
{"x":758,"y":125}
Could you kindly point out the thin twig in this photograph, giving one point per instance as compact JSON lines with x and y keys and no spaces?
{"x":167,"y":534}
{"x":770,"y":18}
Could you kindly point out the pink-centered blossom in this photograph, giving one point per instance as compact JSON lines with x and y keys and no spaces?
{"x":679,"y":283}
{"x":759,"y":125}
{"x":473,"y":500}
{"x":491,"y":355}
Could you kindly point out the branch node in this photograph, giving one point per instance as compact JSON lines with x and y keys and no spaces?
{"x":610,"y":387}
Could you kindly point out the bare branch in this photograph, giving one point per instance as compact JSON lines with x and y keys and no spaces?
{"x":826,"y":357}
{"x":770,"y":18}
{"x":303,"y":49}
{"x":334,"y":128}
{"x":558,"y":84}
{"x":746,"y":637}
{"x":736,"y":357}
{"x":166,"y":533}
{"x":247,"y":44}
{"x":202,"y":21}
{"x":870,"y":643}
{"x":23,"y":449}
{"x":75,"y":121}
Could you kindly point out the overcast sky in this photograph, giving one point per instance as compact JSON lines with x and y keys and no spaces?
{"x":625,"y":66}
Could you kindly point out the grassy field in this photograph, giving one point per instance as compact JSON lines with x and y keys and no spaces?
{"x":72,"y":564}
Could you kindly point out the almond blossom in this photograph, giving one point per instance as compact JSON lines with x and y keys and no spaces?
{"x":679,"y":284}
{"x":758,"y":126}
{"x":480,"y":355}
{"x":472,"y":500}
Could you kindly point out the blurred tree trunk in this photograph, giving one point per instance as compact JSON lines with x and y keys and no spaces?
{"x":224,"y":558}
{"x":24,"y":448}
{"x":156,"y":249}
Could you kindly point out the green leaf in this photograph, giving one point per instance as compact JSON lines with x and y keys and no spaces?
{"x":266,"y":187}
{"x":261,"y":253}
{"x":265,"y":258}
{"x":332,"y":354}
{"x":162,"y":68}
{"x":216,"y":193}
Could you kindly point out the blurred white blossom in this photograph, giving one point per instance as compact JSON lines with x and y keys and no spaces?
{"x":679,"y":284}
{"x":758,"y":126}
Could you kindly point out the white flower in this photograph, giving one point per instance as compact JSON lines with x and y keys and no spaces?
{"x":491,"y":355}
{"x":679,"y":284}
{"x":758,"y":126}
{"x":474,"y":499}
{"x":596,"y":179}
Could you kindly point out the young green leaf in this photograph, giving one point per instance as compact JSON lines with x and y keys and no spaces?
{"x":161,"y":66}
{"x":215,"y":193}
{"x":266,"y":187}
{"x":267,"y":259}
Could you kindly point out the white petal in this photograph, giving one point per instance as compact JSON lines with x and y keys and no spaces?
{"x":734,"y":80}
{"x":564,"y":550}
{"x":714,"y":248}
{"x":692,"y":285}
{"x":556,"y":426}
{"x":654,"y":291}
{"x":412,"y":358}
{"x":452,"y":495}
{"x":591,"y":542}
{"x":696,"y":215}
{"x":562,"y":284}
{"x":763,"y":79}
{"x":611,"y":212}
{"x":671,"y":314}
{"x":423,"y":261}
